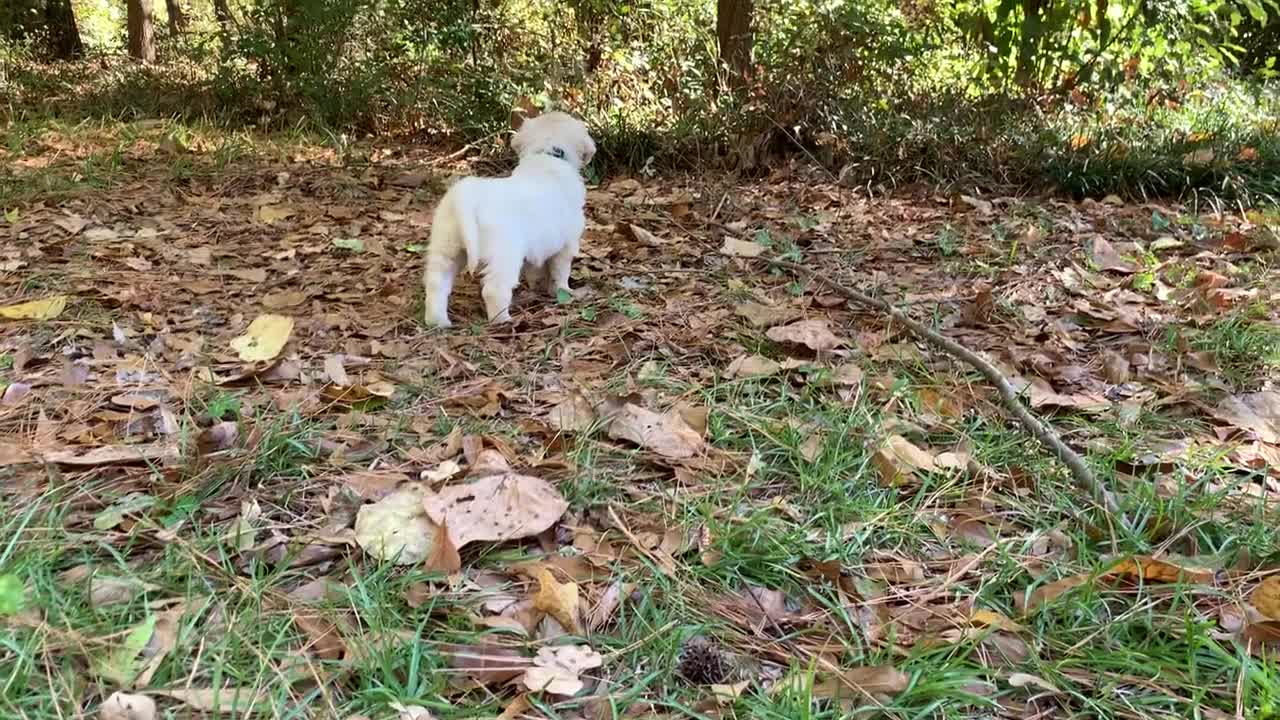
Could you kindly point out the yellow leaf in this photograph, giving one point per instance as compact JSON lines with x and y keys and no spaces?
{"x":46,"y":309}
{"x":272,"y":214}
{"x":264,"y":339}
{"x":1266,"y":597}
{"x":559,"y":600}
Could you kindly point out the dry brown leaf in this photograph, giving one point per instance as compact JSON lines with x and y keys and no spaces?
{"x":860,"y":686}
{"x":486,"y":663}
{"x":237,"y":701}
{"x":574,"y":414}
{"x":335,"y":371}
{"x":123,"y":706}
{"x":1266,"y":597}
{"x":1149,"y":569}
{"x":557,"y":669}
{"x":1259,"y":413}
{"x":747,"y":366}
{"x":495,"y":508}
{"x":559,"y":600}
{"x":898,"y":458}
{"x":765,"y":315}
{"x":1138,"y":567}
{"x":734,"y":247}
{"x":1105,"y":256}
{"x":609,"y":602}
{"x":323,"y":638}
{"x":669,"y":435}
{"x":113,"y":454}
{"x":813,"y":334}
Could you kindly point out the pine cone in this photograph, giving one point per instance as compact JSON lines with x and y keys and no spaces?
{"x":702,"y":662}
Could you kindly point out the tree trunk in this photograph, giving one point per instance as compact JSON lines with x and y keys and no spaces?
{"x":64,"y":36}
{"x":222,"y":12}
{"x":177,"y":18}
{"x":736,"y":37}
{"x":142,"y":44}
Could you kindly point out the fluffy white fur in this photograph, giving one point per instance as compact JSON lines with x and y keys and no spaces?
{"x":530,"y":221}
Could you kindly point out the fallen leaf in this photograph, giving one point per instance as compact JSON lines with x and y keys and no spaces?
{"x":496,"y":508}
{"x":272,"y":214}
{"x":608,"y":604}
{"x":337,"y":374}
{"x":1023,"y":680}
{"x":1266,"y":597}
{"x":46,"y":309}
{"x":573,"y":414}
{"x":765,"y":315}
{"x":748,"y":366}
{"x":728,"y":694}
{"x":559,"y":600}
{"x":123,"y":706}
{"x":813,"y":334}
{"x":734,"y":247}
{"x":120,"y":664}
{"x":323,"y":638}
{"x":163,"y":640}
{"x":486,"y":663}
{"x":112,"y":454}
{"x":1105,"y":256}
{"x":397,"y":527}
{"x":130,"y":504}
{"x":1258,"y":413}
{"x":669,"y":434}
{"x":264,"y":339}
{"x":237,"y":701}
{"x":412,"y":712}
{"x":557,"y":669}
{"x":897,"y":458}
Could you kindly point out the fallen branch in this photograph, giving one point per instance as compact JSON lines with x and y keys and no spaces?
{"x":1038,"y":429}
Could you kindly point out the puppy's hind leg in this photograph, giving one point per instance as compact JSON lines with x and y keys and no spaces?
{"x":500,"y":280}
{"x":437,"y":281}
{"x":535,"y":276}
{"x":558,"y":267}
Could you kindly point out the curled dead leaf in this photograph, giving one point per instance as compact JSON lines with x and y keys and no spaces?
{"x":813,"y":334}
{"x":559,"y":600}
{"x":668,"y":434}
{"x":495,"y":508}
{"x":748,"y":366}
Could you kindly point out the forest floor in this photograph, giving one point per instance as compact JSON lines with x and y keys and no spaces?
{"x":700,"y":487}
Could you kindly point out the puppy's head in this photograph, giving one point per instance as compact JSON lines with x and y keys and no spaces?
{"x":557,"y":134}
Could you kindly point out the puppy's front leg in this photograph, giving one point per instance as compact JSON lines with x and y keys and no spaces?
{"x":499,"y":282}
{"x":558,"y":271}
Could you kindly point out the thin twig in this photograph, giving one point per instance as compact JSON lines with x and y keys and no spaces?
{"x":1038,"y":429}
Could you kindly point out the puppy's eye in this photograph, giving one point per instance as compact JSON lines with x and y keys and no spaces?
{"x":557,"y":153}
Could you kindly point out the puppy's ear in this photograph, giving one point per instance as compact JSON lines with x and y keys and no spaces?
{"x":523,"y":110}
{"x":587,"y":150}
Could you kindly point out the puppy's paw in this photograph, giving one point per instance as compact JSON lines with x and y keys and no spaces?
{"x":438,"y":321}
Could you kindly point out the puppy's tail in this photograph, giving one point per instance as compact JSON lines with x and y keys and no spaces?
{"x":469,"y":229}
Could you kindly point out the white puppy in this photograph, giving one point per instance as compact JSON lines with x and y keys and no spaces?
{"x":530,"y":221}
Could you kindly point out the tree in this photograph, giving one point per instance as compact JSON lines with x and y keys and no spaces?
{"x":736,"y":37}
{"x":142,"y":45}
{"x":222,"y":12}
{"x":177,"y":18}
{"x":54,"y":20}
